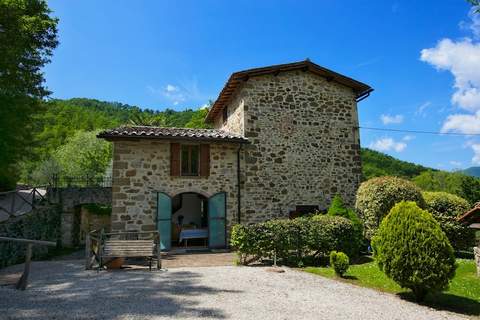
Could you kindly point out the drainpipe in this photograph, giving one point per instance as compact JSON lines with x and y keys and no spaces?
{"x":239,"y":206}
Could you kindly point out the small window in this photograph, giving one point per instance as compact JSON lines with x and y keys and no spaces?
{"x":225,"y":114}
{"x":190,"y":160}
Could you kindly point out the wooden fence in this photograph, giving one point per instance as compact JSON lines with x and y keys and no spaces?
{"x":23,"y":281}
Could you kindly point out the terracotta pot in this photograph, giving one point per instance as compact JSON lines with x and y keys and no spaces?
{"x":115,"y":263}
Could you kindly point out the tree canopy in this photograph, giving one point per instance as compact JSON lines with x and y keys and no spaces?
{"x":27,"y":39}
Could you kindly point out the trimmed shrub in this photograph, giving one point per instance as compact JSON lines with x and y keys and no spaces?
{"x":445,"y":208}
{"x":377,"y":196}
{"x":337,"y":208}
{"x":340,"y":262}
{"x":292,"y":241}
{"x":411,"y":248}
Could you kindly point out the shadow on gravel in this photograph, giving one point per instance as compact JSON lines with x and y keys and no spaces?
{"x":76,"y":293}
{"x":447,"y":302}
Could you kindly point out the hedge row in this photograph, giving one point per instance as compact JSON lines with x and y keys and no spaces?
{"x":292,"y":241}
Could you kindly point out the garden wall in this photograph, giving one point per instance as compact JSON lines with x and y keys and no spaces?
{"x":43,"y":223}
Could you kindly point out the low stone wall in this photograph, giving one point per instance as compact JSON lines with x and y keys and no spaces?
{"x":43,"y":223}
{"x":476,"y":251}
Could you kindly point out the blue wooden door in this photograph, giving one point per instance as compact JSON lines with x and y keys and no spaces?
{"x":216,"y":221}
{"x":164,"y":220}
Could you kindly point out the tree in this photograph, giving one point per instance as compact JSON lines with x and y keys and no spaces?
{"x":84,"y":155}
{"x":475,"y":4}
{"x":455,"y":183}
{"x":411,"y":248}
{"x":28,"y":35}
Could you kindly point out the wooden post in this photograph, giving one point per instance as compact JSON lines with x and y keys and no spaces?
{"x":159,"y":253}
{"x":88,"y":245}
{"x":23,"y":282}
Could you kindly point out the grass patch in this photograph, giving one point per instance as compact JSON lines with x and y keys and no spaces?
{"x":463,"y":295}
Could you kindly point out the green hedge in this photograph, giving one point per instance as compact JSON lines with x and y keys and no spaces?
{"x":377,"y":196}
{"x":295,"y":240}
{"x":445,"y":208}
{"x":41,"y":224}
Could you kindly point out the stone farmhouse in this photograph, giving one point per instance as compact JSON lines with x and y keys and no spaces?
{"x":285,"y":140}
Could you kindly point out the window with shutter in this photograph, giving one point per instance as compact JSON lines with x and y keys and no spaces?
{"x":204,"y":160}
{"x":175,"y":159}
{"x":190,"y":160}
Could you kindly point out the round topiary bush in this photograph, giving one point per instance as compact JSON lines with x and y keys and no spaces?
{"x":445,"y":208}
{"x":375,"y":198}
{"x":411,"y":248}
{"x":340,"y":262}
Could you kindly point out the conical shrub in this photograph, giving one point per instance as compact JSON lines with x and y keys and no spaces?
{"x":411,"y":248}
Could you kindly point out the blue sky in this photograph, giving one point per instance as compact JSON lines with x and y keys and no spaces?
{"x":422,"y":58}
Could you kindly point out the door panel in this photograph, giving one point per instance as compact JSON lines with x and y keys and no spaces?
{"x":216,"y":221}
{"x":164,"y":220}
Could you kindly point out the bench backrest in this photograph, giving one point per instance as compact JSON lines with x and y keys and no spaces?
{"x":129,"y":248}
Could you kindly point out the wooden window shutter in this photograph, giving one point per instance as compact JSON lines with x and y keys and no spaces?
{"x":204,"y":160}
{"x":174,"y":159}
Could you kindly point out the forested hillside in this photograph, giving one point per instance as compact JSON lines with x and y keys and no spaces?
{"x":376,"y":164}
{"x":66,"y":144}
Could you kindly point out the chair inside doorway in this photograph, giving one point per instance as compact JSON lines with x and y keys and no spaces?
{"x":190,"y":221}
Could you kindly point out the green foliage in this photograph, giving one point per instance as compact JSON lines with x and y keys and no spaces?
{"x":337,"y":208}
{"x":456,"y":183}
{"x":293,"y":241}
{"x":377,"y":196}
{"x":97,"y":209}
{"x":340,"y":262}
{"x":62,"y":119}
{"x":84,"y":155}
{"x":445,"y":208}
{"x":27,"y":39}
{"x":377,"y":164}
{"x":411,"y":248}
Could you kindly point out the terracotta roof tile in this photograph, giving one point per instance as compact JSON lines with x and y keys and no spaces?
{"x":171,"y":133}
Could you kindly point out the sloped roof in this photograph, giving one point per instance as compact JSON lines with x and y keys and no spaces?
{"x":473,"y":214}
{"x":237,"y":77}
{"x":144,"y":132}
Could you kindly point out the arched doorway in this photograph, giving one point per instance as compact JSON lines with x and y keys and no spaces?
{"x":191,"y":220}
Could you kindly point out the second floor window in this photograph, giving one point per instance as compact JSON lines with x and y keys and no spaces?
{"x":190,"y":159}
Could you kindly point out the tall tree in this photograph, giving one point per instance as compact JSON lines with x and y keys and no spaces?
{"x":28,"y":36}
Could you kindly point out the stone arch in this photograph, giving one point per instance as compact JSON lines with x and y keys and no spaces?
{"x":70,"y":199}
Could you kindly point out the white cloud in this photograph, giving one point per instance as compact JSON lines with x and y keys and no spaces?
{"x":462,"y":59}
{"x":387,"y":144}
{"x":421,"y":109}
{"x":184,"y":91}
{"x":171,"y":88}
{"x":408,"y":138}
{"x":455,"y":163}
{"x":388,"y":119}
{"x":462,"y":123}
{"x":476,"y":153}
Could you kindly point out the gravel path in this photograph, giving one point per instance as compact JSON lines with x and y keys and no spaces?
{"x":63,"y":290}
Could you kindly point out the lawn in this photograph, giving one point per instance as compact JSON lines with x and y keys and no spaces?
{"x":463,"y":295}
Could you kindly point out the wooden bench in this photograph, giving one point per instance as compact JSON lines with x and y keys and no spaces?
{"x":125,"y":245}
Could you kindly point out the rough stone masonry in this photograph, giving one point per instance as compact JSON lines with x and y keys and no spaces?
{"x":303,"y":149}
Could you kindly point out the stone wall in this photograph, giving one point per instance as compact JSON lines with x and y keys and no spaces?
{"x":304,"y":143}
{"x":141,"y":169}
{"x":42,"y":223}
{"x":70,"y":199}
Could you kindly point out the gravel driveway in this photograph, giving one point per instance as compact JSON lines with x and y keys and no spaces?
{"x":63,"y":290}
